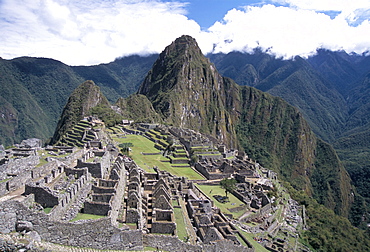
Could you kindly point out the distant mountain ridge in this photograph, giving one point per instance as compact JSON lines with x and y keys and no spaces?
{"x":35,"y":91}
{"x":332,"y":91}
{"x":317,"y":86}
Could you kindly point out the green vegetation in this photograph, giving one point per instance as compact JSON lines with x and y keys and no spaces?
{"x":35,"y":90}
{"x":4,"y":180}
{"x":180,"y":225}
{"x":331,"y":91}
{"x":47,"y":210}
{"x":147,"y":162}
{"x":334,"y":102}
{"x":211,"y":190}
{"x":125,"y":148}
{"x":139,"y":108}
{"x":228,"y":185}
{"x":328,"y":231}
{"x":106,"y":114}
{"x":82,"y":216}
{"x":85,"y":97}
{"x":258,"y":247}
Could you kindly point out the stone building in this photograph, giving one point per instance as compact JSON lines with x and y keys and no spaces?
{"x":134,"y":204}
{"x":106,"y":195}
{"x":163,"y":219}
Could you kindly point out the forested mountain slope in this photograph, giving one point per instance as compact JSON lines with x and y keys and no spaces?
{"x":35,"y":90}
{"x":331,"y":89}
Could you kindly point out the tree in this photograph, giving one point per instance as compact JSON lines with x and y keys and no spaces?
{"x":228,"y":184}
{"x":125,"y":148}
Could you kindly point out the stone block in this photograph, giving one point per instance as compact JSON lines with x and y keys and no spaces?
{"x":24,"y":226}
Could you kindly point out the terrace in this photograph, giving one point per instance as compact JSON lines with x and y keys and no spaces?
{"x":143,"y":145}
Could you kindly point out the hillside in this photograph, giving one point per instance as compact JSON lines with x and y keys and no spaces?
{"x":296,"y":81}
{"x":331,"y":90}
{"x":35,"y":91}
{"x":186,"y":90}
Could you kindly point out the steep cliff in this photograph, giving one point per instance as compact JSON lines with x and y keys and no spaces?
{"x":186,"y":90}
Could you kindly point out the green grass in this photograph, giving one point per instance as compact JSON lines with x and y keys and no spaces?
{"x":241,"y":240}
{"x":179,"y":158}
{"x":4,"y":180}
{"x":211,"y":190}
{"x":249,"y":236}
{"x":46,"y":154}
{"x":47,"y":210}
{"x":82,"y":216}
{"x":151,"y":249}
{"x":147,"y":162}
{"x":180,"y":224}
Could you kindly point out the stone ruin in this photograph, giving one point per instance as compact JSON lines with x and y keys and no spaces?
{"x":136,"y":206}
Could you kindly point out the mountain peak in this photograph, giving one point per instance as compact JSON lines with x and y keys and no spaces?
{"x":86,"y":96}
{"x":185,"y":89}
{"x":183,"y":45}
{"x":178,"y":61}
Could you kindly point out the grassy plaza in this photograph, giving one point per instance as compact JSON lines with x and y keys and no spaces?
{"x":211,"y":190}
{"x":142,"y":145}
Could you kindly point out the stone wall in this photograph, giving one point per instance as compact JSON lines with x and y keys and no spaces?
{"x":209,"y":175}
{"x":4,"y":187}
{"x":170,"y":243}
{"x":106,"y":197}
{"x":97,"y":208}
{"x":97,"y":234}
{"x":54,"y":199}
{"x":20,"y":171}
{"x":163,"y":227}
{"x":43,"y":195}
{"x":262,"y":211}
{"x":69,"y":197}
{"x":117,"y":200}
{"x":40,"y":171}
{"x":97,"y":169}
{"x":76,"y":172}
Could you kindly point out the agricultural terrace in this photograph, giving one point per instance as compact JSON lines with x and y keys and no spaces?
{"x":143,"y":145}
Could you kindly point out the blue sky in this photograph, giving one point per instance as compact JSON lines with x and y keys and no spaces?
{"x":207,"y":12}
{"x":87,"y":32}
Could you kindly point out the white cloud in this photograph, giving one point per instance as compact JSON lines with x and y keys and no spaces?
{"x":287,"y":32}
{"x":326,"y":5}
{"x":90,"y":32}
{"x":85,"y":32}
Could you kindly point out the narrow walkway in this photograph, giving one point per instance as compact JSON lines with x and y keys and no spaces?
{"x":13,"y":195}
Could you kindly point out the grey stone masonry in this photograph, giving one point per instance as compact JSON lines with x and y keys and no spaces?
{"x":96,"y":234}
